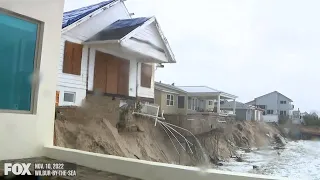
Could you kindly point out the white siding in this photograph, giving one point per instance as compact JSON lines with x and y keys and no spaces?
{"x":80,"y":95}
{"x":284,"y":107}
{"x":91,"y":68}
{"x":92,"y":26}
{"x":71,"y":82}
{"x":270,"y":101}
{"x":150,"y":34}
{"x":133,"y":78}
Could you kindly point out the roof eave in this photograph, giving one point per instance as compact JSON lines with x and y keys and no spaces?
{"x":168,"y":87}
{"x":102,"y":42}
{"x":171,"y":59}
{"x":228,"y":95}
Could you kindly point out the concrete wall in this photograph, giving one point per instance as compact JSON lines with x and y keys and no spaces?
{"x":241,"y":114}
{"x":145,"y":169}
{"x":270,"y":118}
{"x":24,"y":135}
{"x":197,"y":123}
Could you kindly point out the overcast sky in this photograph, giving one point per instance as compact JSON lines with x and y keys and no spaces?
{"x":244,"y":47}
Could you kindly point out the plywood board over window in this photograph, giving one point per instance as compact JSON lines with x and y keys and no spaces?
{"x":72,"y":58}
{"x":146,"y":75}
{"x":111,"y":74}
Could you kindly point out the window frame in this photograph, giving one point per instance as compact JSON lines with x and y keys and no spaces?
{"x":189,"y":103}
{"x":171,"y":99}
{"x":270,"y":110}
{"x":283,"y":113}
{"x":210,"y":103}
{"x":69,"y":92}
{"x":146,"y":81}
{"x":36,"y":61}
{"x":72,"y":71}
{"x":184,"y":101}
{"x":283,"y":102}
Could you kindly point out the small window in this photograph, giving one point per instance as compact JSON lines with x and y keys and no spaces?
{"x":170,"y":101}
{"x":146,"y":75}
{"x":19,"y":55}
{"x":269,"y":111}
{"x":69,"y":97}
{"x":283,"y":102}
{"x":210,"y":103}
{"x":262,"y":106}
{"x":189,"y":103}
{"x":181,"y":102}
{"x":284,"y":113}
{"x":72,"y":58}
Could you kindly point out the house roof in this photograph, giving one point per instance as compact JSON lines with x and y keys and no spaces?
{"x":160,"y":86}
{"x":239,"y":105}
{"x":118,"y":29}
{"x":269,"y":94}
{"x":205,"y":89}
{"x":195,"y":89}
{"x":73,"y":16}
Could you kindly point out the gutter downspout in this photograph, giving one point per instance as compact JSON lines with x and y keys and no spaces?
{"x":137,"y":84}
{"x":88,"y":60}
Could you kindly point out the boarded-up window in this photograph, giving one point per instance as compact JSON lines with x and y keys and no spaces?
{"x":146,"y":74}
{"x":111,"y":74}
{"x":72,"y":58}
{"x":181,"y":102}
{"x":57,"y":97}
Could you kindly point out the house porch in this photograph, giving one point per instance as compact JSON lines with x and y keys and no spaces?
{"x":198,"y":103}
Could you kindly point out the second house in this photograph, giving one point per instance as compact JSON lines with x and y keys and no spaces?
{"x":104,"y":50}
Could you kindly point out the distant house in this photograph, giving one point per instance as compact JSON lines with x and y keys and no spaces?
{"x":189,"y":99}
{"x":104,"y":50}
{"x":244,"y":111}
{"x":273,"y":103}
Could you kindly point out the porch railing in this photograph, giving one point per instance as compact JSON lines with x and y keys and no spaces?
{"x":149,"y":110}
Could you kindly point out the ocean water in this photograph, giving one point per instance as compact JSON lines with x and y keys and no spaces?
{"x":300,"y":160}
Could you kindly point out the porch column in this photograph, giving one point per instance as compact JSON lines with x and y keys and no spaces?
{"x":234,"y":106}
{"x":218,"y":104}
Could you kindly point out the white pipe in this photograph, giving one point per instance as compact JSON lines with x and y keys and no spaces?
{"x":205,"y":157}
{"x":174,"y":136}
{"x":178,"y":133}
{"x":182,"y":137}
{"x":188,"y":142}
{"x":169,"y":138}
